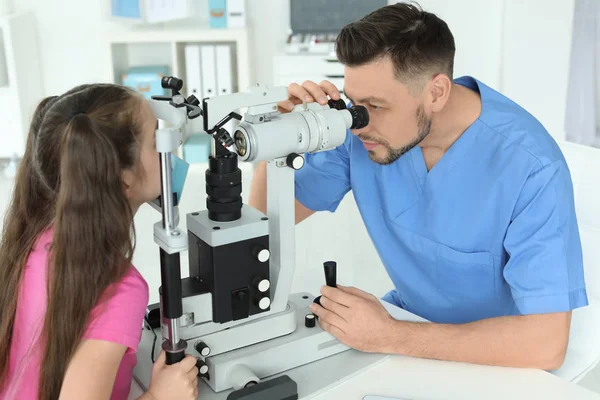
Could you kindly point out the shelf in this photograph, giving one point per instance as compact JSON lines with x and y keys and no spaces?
{"x":179,"y":35}
{"x":165,"y":47}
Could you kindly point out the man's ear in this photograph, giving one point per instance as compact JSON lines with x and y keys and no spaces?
{"x":439,"y":91}
{"x":127,"y":178}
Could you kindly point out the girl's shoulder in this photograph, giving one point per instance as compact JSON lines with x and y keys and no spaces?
{"x":119,"y":315}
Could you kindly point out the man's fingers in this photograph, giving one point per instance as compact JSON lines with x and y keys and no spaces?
{"x":330,"y":89}
{"x":334,"y":330}
{"x":337,"y":308}
{"x":296,"y":91}
{"x":315,"y":91}
{"x":327,"y":316}
{"x":356,"y":292}
{"x":339,"y":296}
{"x":188,"y":363}
{"x":308,"y":92}
{"x":287,"y":105}
{"x":192,"y":374}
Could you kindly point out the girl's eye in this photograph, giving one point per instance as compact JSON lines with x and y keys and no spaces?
{"x":374,"y":107}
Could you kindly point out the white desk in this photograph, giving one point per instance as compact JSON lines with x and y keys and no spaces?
{"x":411,"y":378}
{"x":414,"y":378}
{"x":420,"y":379}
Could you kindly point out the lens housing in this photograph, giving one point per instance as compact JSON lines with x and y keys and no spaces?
{"x":360,"y":117}
{"x":224,"y":188}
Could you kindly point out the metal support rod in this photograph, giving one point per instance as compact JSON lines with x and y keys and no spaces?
{"x":173,"y":329}
{"x":168,"y":211}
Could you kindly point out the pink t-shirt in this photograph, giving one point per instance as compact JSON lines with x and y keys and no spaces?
{"x":115,"y":319}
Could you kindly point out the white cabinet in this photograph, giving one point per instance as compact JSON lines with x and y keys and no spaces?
{"x":21,"y":86}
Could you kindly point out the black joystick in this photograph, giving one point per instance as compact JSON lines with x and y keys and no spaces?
{"x":330,"y":273}
{"x":330,"y":268}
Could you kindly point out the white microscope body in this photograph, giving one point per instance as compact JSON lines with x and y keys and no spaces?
{"x":235,"y":309}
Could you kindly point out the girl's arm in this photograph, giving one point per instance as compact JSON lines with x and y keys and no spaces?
{"x":92,"y":371}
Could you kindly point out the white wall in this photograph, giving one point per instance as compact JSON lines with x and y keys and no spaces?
{"x":519,"y":47}
{"x":72,"y":48}
{"x":267,"y":35}
{"x":536,"y":51}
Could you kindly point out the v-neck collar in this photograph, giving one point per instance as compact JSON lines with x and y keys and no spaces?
{"x":434,"y":177}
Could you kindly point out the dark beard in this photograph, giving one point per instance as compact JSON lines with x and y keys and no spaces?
{"x":424,"y":126}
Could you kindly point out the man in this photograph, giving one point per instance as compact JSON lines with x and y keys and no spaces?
{"x":465,"y":195}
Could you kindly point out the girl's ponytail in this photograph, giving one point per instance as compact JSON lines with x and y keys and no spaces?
{"x":93,"y":223}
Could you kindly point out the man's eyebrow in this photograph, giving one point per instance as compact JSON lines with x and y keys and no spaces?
{"x":370,"y":99}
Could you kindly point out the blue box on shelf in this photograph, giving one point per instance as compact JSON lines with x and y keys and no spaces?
{"x":126,"y":9}
{"x":146,"y":79}
{"x":217,"y":15}
{"x":196,"y":148}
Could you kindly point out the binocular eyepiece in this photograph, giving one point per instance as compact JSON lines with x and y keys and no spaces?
{"x":360,"y":115}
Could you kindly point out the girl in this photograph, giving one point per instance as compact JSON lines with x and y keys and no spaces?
{"x":71,"y":303}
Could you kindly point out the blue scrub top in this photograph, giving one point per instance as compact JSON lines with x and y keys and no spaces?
{"x":490,"y":231}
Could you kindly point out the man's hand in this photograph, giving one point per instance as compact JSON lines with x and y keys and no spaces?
{"x":358,"y":320}
{"x":308,"y":92}
{"x":355,"y":318}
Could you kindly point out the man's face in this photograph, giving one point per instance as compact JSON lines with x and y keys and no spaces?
{"x":397,"y":118}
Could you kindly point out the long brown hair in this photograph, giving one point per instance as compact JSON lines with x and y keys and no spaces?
{"x":69,"y":179}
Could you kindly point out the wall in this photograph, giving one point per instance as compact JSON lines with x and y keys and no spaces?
{"x":536,"y":51}
{"x":71,"y":43}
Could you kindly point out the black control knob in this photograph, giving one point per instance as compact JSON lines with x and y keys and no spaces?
{"x":330,"y":269}
{"x":170,"y":82}
{"x":193,"y":100}
{"x":295,"y":161}
{"x":202,"y":368}
{"x":261,"y":254}
{"x":337,"y":104}
{"x":310,"y":320}
{"x":202,"y":348}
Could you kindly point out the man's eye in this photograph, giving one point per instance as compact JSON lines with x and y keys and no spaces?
{"x":374,"y":107}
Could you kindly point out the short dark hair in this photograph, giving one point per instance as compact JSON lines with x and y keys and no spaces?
{"x":418,"y":42}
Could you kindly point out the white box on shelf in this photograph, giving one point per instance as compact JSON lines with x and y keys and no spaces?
{"x":193,"y":75}
{"x":209,"y":70}
{"x":224,"y":71}
{"x":167,"y":10}
{"x":236,"y":14}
